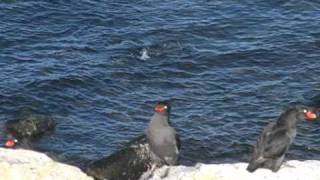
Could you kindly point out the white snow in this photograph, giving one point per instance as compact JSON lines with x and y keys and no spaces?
{"x":18,"y":164}
{"x":290,"y":170}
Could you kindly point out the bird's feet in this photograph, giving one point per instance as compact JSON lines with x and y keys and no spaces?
{"x":286,"y":164}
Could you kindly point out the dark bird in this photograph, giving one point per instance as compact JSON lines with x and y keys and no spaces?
{"x":276,"y":138}
{"x":162,"y":138}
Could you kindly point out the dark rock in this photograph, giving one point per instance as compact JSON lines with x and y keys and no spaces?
{"x":29,"y":125}
{"x":127,"y":164}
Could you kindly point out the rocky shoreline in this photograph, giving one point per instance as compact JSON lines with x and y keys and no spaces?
{"x":293,"y":170}
{"x":17,"y":164}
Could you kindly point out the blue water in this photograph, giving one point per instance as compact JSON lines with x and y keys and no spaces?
{"x":99,"y":67}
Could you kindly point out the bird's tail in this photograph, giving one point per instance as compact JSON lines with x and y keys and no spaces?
{"x":252,"y":167}
{"x":255,"y":164}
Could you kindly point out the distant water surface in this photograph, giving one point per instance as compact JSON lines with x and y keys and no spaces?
{"x":98,"y":68}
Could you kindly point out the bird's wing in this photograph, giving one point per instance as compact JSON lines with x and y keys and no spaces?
{"x":276,"y":143}
{"x":178,"y":142}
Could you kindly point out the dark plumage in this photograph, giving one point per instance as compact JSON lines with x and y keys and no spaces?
{"x":162,"y":138}
{"x":276,"y":138}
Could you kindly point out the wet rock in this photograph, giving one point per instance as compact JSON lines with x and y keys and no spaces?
{"x":129,"y":163}
{"x":29,"y":125}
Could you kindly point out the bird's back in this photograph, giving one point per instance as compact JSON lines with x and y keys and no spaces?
{"x":273,"y":142}
{"x":271,"y":148}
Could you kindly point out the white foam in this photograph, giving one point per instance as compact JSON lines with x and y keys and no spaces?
{"x":144,"y":54}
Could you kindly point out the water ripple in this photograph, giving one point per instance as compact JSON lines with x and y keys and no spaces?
{"x":228,"y":67}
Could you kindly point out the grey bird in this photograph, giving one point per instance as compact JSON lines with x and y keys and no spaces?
{"x":276,"y":138}
{"x":162,"y":138}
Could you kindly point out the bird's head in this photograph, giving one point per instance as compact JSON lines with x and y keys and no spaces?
{"x":307,"y":113}
{"x":11,"y":143}
{"x":310,"y":115}
{"x":162,"y":107}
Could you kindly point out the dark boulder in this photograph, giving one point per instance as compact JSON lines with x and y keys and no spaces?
{"x":128,"y":163}
{"x":29,"y":125}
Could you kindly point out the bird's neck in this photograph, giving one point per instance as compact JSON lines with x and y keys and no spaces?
{"x":288,"y":120}
{"x":160,"y":120}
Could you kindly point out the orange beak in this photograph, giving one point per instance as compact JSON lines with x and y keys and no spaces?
{"x":11,"y":143}
{"x":310,"y":116}
{"x":160,"y":108}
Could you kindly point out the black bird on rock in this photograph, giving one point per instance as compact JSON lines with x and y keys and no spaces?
{"x":139,"y":158}
{"x":276,"y":138}
{"x":162,"y":138}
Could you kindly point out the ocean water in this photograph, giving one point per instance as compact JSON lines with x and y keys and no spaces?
{"x":99,"y":67}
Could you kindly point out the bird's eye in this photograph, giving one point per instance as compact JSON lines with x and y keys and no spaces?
{"x":305,"y":111}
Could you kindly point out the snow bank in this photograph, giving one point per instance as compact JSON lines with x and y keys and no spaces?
{"x":291,"y":170}
{"x":18,"y":164}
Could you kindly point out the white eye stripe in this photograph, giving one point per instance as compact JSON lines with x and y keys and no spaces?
{"x":166,"y":107}
{"x":305,"y":110}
